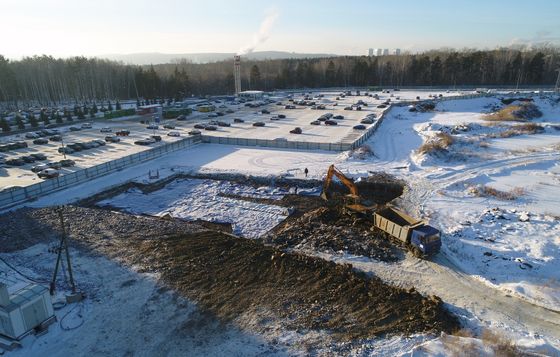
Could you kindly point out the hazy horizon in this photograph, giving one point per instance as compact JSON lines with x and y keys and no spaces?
{"x":64,"y":28}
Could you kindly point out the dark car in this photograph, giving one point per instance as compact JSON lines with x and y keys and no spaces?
{"x":315,"y":122}
{"x":39,"y":156}
{"x":76,"y":146}
{"x":195,"y":132}
{"x":74,"y":128}
{"x":296,"y":131}
{"x":123,"y":133}
{"x":55,"y":165}
{"x":359,"y":127}
{"x":40,"y":167}
{"x":67,"y":163}
{"x":367,"y":121}
{"x":281,"y":116}
{"x":339,"y":117}
{"x":156,"y":137}
{"x":169,"y":126}
{"x":144,"y":141}
{"x":348,"y":108}
{"x":211,"y":128}
{"x":182,"y":117}
{"x":259,"y":123}
{"x":238,"y":120}
{"x":28,"y":159}
{"x":200,"y":126}
{"x":330,"y":122}
{"x":66,"y":150}
{"x":15,"y":162}
{"x":40,"y":141}
{"x":381,"y":106}
{"x":55,"y":138}
{"x":264,"y":111}
{"x":223,"y":123}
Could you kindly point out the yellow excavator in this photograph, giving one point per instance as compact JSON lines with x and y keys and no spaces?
{"x":353,"y":199}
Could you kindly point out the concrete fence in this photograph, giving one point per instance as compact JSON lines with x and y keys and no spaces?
{"x":276,"y":143}
{"x":14,"y":196}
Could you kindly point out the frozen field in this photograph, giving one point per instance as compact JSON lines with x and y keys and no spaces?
{"x":500,"y":257}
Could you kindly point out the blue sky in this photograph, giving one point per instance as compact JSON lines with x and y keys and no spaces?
{"x":78,"y":27}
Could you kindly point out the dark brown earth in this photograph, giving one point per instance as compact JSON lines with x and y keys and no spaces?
{"x":230,"y":276}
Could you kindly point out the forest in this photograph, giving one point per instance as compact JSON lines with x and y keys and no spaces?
{"x":46,"y":81}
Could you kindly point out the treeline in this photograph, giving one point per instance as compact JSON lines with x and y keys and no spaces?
{"x":45,"y":80}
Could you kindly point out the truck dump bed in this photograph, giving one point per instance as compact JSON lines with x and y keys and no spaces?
{"x":395,"y":222}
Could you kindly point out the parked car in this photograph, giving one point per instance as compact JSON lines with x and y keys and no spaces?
{"x":15,"y":162}
{"x":296,"y":130}
{"x":281,"y":116}
{"x":112,"y":139}
{"x":169,"y":126}
{"x":330,"y":122}
{"x":41,"y":141}
{"x":182,"y":117}
{"x":40,"y":167}
{"x":223,"y":123}
{"x":156,"y":137}
{"x":338,"y":117}
{"x":93,"y":144}
{"x":366,"y":121}
{"x":359,"y":127}
{"x":212,"y":115}
{"x":211,"y":127}
{"x":74,"y":128}
{"x":274,"y":118}
{"x":174,"y":133}
{"x":315,"y":122}
{"x":123,"y":133}
{"x":48,"y":173}
{"x":148,"y":141}
{"x":66,"y":150}
{"x":194,"y":132}
{"x":381,"y":106}
{"x":106,"y":130}
{"x":229,"y":111}
{"x":265,"y":111}
{"x":28,"y":159}
{"x":39,"y":156}
{"x":348,"y":108}
{"x":100,"y":142}
{"x":54,"y":165}
{"x":55,"y":138}
{"x":258,"y":123}
{"x":87,"y":126}
{"x":152,"y":127}
{"x":200,"y":126}
{"x":238,"y":120}
{"x":67,"y":163}
{"x":31,"y":136}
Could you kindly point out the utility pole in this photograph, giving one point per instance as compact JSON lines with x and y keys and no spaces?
{"x":557,"y":87}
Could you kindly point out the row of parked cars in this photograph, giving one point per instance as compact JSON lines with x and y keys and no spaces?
{"x":328,"y":119}
{"x":28,"y":159}
{"x":13,"y":146}
{"x":80,"y":146}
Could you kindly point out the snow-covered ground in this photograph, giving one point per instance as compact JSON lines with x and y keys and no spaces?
{"x":193,"y":199}
{"x":498,"y":255}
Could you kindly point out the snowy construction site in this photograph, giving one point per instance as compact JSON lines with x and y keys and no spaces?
{"x":347,"y":222}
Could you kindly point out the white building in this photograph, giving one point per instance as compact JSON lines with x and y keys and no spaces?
{"x":397,"y":51}
{"x":385,"y":52}
{"x":370,"y":52}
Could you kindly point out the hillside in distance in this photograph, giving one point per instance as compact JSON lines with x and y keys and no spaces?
{"x":158,"y":58}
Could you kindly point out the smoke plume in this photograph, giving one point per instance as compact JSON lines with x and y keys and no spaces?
{"x":262,"y":35}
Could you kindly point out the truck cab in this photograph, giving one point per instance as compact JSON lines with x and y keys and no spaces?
{"x":427,"y":239}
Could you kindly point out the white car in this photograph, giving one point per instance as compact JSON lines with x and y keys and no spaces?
{"x":174,"y":133}
{"x":106,"y":130}
{"x":86,"y":126}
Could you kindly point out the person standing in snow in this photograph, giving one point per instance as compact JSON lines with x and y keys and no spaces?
{"x":306,"y":171}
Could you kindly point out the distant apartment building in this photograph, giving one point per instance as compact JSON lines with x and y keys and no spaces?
{"x":383,"y":52}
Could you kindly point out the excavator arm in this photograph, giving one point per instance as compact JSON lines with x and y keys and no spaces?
{"x":333,"y":171}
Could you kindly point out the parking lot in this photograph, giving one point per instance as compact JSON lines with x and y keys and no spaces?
{"x":278,"y":122}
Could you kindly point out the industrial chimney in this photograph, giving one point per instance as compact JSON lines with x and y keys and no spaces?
{"x":237,"y":73}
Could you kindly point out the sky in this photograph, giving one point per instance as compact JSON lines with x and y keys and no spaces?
{"x":63,"y":28}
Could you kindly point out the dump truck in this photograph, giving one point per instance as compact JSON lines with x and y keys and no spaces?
{"x":420,"y":237}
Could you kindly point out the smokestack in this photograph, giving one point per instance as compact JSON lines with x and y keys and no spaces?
{"x":237,"y":73}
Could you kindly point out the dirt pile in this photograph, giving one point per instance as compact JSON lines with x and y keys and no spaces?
{"x":329,"y":230}
{"x":230,"y":276}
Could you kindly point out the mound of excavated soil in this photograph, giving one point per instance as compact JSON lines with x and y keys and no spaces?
{"x":231,"y":276}
{"x":329,"y":230}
